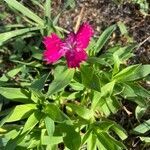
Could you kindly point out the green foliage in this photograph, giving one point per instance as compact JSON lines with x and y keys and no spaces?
{"x":62,"y":80}
{"x":104,"y":38}
{"x":25,"y":11}
{"x":143,"y":128}
{"x":15,"y":94}
{"x":8,"y":35}
{"x":144,"y":5}
{"x":52,"y":106}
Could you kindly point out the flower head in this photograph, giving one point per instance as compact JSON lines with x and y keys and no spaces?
{"x":73,"y":47}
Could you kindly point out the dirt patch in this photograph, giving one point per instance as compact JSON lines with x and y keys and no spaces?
{"x":103,"y":13}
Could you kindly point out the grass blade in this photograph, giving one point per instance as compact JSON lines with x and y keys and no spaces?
{"x":48,"y":8}
{"x":104,"y":38}
{"x":8,"y":35}
{"x":25,"y":11}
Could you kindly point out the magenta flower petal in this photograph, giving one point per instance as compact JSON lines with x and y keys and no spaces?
{"x":83,"y":35}
{"x":74,"y":58}
{"x":53,"y":50}
{"x":73,"y":47}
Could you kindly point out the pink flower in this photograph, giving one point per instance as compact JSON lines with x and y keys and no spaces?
{"x":73,"y":47}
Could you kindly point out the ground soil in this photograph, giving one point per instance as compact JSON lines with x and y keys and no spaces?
{"x":102,"y":13}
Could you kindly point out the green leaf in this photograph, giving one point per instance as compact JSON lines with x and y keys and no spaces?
{"x":60,"y":82}
{"x":20,"y":112}
{"x":37,"y":96}
{"x":74,"y":95}
{"x":122,"y":28}
{"x":38,"y":4}
{"x":91,"y":143}
{"x":96,"y":98}
{"x":55,"y":113}
{"x":108,"y":125}
{"x":134,"y":90}
{"x":25,"y":11}
{"x":70,"y":3}
{"x":86,"y":137}
{"x":140,"y":111}
{"x":90,"y":81}
{"x":142,"y":128}
{"x":141,"y":72}
{"x":10,"y":34}
{"x":12,"y":143}
{"x":32,"y":121}
{"x":33,"y":143}
{"x":46,"y":140}
{"x":100,"y":146}
{"x":133,"y":73}
{"x":81,"y":111}
{"x":140,"y":91}
{"x":127,"y":73}
{"x":15,"y":94}
{"x":39,"y":84}
{"x":48,"y":8}
{"x":11,"y":73}
{"x":128,"y":92}
{"x":77,"y":86}
{"x":119,"y":131}
{"x":104,"y":38}
{"x":136,"y":93}
{"x":71,"y":138}
{"x":109,"y":142}
{"x":110,"y":105}
{"x":103,"y":126}
{"x":50,"y":126}
{"x":107,"y":89}
{"x":99,"y":61}
{"x":145,"y":139}
{"x":121,"y":55}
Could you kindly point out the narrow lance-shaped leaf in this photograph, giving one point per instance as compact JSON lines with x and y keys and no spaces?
{"x":25,"y":11}
{"x":119,"y":131}
{"x":8,"y":35}
{"x":81,"y":111}
{"x":126,"y":73}
{"x":71,"y":138}
{"x":15,"y":94}
{"x":39,"y":84}
{"x":89,"y":78}
{"x":13,"y":143}
{"x":104,"y":38}
{"x":46,"y":140}
{"x":20,"y":112}
{"x":55,"y":113}
{"x":11,"y":73}
{"x":142,"y":128}
{"x":133,"y":73}
{"x":122,"y":28}
{"x":60,"y":82}
{"x":91,"y":142}
{"x":106,"y":91}
{"x":109,"y":142}
{"x":32,"y":121}
{"x":140,"y":73}
{"x":145,"y":139}
{"x":140,"y":111}
{"x":48,"y":8}
{"x":50,"y":126}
